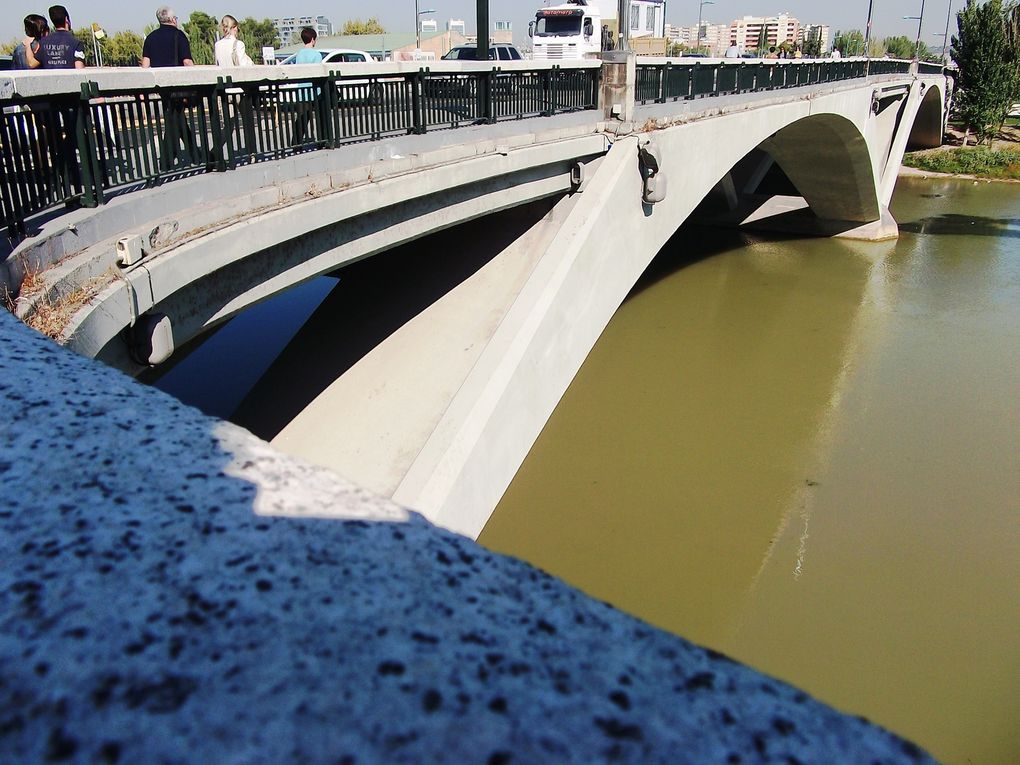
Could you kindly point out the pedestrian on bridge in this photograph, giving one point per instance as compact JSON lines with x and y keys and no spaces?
{"x":59,"y":49}
{"x":36,"y":28}
{"x":229,"y":49}
{"x":305,"y":95}
{"x":165,"y":46}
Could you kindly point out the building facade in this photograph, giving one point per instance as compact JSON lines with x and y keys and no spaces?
{"x":751,"y":32}
{"x":289,"y":29}
{"x":647,"y":18}
{"x":810,"y":34}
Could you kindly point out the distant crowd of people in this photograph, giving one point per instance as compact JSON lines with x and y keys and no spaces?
{"x":56,"y":47}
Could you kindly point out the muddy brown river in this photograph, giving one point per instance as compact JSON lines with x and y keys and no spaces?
{"x":806,"y":454}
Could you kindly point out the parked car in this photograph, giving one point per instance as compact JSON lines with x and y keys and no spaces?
{"x":497,"y":52}
{"x":351,"y":91}
{"x":336,"y":56}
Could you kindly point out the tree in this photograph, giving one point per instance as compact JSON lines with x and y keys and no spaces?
{"x":813,"y":47}
{"x":877,"y":49}
{"x":359,"y":27}
{"x":84,"y":36}
{"x":1013,"y":40}
{"x":202,"y":31}
{"x":988,"y":78}
{"x":899,"y":46}
{"x":763,"y":41}
{"x":7,"y":48}
{"x":850,"y":43}
{"x":124,"y":49}
{"x":257,"y":35}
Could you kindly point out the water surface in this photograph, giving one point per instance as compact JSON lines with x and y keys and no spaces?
{"x":806,"y":454}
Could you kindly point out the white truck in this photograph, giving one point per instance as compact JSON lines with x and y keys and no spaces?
{"x":570,"y":30}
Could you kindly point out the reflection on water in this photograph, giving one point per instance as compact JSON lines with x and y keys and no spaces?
{"x":805,"y":454}
{"x":965,"y":225}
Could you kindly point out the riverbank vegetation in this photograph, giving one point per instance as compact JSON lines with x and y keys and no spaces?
{"x":979,"y":161}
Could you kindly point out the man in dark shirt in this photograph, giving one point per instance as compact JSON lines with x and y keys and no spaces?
{"x":60,"y":49}
{"x":166,"y":45}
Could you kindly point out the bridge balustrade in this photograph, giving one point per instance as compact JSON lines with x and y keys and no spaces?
{"x":80,"y":148}
{"x":671,"y":81}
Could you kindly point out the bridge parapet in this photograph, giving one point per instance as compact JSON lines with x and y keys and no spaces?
{"x":76,"y":138}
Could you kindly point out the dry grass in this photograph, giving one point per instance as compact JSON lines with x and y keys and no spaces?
{"x":48,"y":315}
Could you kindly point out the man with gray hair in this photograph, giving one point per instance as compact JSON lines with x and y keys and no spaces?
{"x":166,"y":45}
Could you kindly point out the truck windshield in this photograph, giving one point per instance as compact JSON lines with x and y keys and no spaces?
{"x":557,"y":26}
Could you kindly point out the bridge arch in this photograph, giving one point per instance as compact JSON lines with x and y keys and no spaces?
{"x":929,"y":121}
{"x":827,"y":159}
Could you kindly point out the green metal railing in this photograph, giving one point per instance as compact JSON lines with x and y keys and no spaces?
{"x":669,"y":81}
{"x":79,"y":149}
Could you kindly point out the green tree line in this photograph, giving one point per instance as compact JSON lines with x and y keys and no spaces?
{"x":851,"y":43}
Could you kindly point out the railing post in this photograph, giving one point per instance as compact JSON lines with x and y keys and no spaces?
{"x":328,"y":107}
{"x":554,"y":77}
{"x":490,"y":97}
{"x":88,"y":151}
{"x":222,"y":148}
{"x":418,"y":80}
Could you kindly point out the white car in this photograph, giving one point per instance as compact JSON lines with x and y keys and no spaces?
{"x":336,"y":56}
{"x":351,"y":91}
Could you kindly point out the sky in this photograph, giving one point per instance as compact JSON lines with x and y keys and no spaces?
{"x":398,"y":15}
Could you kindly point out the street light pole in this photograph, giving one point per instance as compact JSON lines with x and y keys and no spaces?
{"x":945,"y":36}
{"x":867,"y":39}
{"x":701,"y":6}
{"x":917,"y":46}
{"x":417,"y":24}
{"x":623,"y":25}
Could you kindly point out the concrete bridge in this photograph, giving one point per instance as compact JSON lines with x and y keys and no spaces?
{"x":153,"y":604}
{"x":472,"y":379}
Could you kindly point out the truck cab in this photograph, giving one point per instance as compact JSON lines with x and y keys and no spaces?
{"x":566,"y":31}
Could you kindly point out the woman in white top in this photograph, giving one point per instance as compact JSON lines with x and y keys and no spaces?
{"x":230,"y":50}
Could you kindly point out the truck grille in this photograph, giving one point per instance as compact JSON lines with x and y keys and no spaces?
{"x":561,"y":51}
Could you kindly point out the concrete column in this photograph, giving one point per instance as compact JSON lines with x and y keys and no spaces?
{"x":619,"y":80}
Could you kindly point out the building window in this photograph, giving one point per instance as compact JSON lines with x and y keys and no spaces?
{"x":650,"y":20}
{"x":635,"y":17}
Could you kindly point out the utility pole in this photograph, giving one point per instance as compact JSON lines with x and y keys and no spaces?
{"x":482,"y":16}
{"x":623,"y":17}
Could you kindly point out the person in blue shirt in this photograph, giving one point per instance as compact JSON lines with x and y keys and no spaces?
{"x":305,"y":95}
{"x":308,"y":54}
{"x":36,"y":28}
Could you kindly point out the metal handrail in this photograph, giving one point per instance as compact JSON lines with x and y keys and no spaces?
{"x":59,"y":146}
{"x":663,"y":81}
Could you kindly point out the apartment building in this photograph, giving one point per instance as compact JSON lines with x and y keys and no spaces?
{"x":810,"y":33}
{"x":289,"y":29}
{"x":746,"y":33}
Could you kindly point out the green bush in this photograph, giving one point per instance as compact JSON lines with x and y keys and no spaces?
{"x":978,"y":160}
